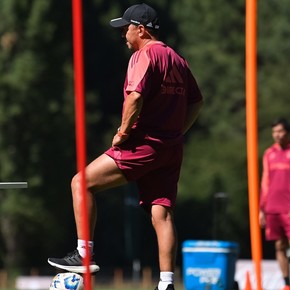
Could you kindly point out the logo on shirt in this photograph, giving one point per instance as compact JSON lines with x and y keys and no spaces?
{"x":173,"y":83}
{"x":174,"y":76}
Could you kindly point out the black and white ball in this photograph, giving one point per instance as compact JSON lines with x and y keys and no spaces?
{"x":67,"y":281}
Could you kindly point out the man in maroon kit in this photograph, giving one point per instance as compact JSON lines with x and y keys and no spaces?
{"x":161,"y":102}
{"x":275,"y":194}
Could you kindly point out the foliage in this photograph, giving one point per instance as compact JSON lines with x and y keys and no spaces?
{"x":34,"y":103}
{"x":37,"y":118}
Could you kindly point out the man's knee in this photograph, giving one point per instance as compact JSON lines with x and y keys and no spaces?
{"x":161,"y":214}
{"x":281,"y":245}
{"x":76,"y":183}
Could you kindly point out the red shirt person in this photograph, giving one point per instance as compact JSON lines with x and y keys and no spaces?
{"x":161,"y":103}
{"x":275,"y":194}
{"x":167,"y":87}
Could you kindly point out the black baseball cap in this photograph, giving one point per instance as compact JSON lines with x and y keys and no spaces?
{"x":138,"y":14}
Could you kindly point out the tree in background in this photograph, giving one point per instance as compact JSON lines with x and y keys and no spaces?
{"x":212,"y":39}
{"x":36,"y":121}
{"x":37,"y":117}
{"x":213,"y":42}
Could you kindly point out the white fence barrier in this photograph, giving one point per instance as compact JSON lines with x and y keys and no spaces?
{"x":272,"y":278}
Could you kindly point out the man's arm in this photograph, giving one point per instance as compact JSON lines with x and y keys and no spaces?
{"x":191,"y":115}
{"x":264,"y":191}
{"x":131,"y":110}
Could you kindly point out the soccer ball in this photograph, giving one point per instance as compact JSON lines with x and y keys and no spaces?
{"x":67,"y":281}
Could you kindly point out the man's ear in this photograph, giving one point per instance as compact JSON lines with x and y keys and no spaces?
{"x":141,"y":30}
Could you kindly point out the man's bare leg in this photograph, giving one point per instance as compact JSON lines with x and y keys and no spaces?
{"x":281,"y":247}
{"x":101,"y":174}
{"x":163,"y":223}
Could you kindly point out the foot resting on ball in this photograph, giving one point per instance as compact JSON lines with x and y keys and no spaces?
{"x":73,"y":262}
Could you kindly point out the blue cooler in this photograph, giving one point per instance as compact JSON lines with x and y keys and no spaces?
{"x":209,"y":265}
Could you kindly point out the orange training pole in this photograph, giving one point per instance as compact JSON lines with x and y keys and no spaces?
{"x":252,"y":143}
{"x":80,"y":122}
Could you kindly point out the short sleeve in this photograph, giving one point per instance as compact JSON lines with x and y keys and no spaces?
{"x":137,"y":68}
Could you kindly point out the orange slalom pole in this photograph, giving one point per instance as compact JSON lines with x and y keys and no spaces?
{"x":80,"y":123}
{"x":252,"y":139}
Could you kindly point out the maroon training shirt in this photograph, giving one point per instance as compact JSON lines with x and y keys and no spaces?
{"x":275,"y":186}
{"x":164,"y":80}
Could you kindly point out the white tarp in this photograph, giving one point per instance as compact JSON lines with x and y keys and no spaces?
{"x":271,"y":275}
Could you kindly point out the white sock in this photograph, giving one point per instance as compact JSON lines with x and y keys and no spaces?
{"x":82,"y":247}
{"x":166,"y":278}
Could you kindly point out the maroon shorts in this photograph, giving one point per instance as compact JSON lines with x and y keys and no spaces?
{"x":155,"y":167}
{"x":277,"y":226}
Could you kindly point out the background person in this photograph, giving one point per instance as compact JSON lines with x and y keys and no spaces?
{"x":275,"y":194}
{"x":161,"y":102}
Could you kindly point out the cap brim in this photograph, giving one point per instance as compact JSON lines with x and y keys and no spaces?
{"x":119,"y":22}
